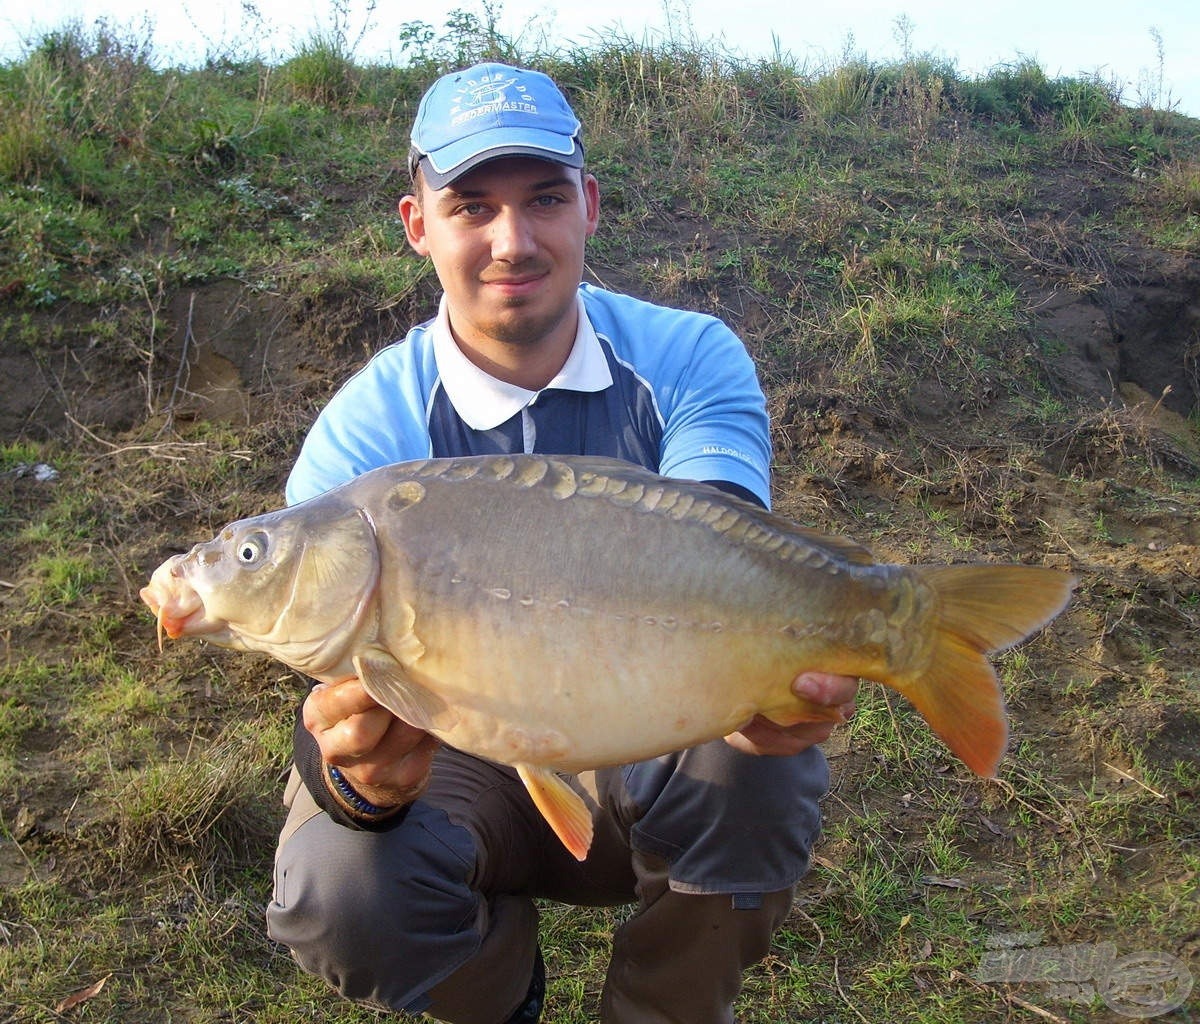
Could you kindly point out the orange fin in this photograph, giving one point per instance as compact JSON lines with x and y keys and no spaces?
{"x":795,"y":711}
{"x":561,"y":806}
{"x":960,"y":697}
{"x":983,"y":609}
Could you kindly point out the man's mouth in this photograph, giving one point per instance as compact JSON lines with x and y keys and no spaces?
{"x":515,"y":281}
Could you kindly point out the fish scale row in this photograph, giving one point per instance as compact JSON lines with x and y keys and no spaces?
{"x":621,"y":488}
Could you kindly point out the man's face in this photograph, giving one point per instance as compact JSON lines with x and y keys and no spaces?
{"x":507,"y":242}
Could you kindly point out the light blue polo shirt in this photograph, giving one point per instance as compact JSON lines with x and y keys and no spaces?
{"x":672,"y":390}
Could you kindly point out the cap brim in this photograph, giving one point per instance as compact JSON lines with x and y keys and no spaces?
{"x":445,"y":166}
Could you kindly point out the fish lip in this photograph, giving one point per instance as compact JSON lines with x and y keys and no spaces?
{"x":176,"y":605}
{"x":191,"y":623}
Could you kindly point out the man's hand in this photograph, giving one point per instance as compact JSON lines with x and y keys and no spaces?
{"x":761,"y":736}
{"x":386,"y":760}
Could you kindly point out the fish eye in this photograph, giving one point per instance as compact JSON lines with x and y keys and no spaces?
{"x":251,"y":548}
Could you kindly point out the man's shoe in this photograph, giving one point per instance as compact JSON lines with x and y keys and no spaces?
{"x":530,"y":1011}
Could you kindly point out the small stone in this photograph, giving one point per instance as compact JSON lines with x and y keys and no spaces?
{"x":25,"y":825}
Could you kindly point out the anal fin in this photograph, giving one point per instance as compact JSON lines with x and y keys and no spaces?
{"x":798,"y":710}
{"x":563,"y":808}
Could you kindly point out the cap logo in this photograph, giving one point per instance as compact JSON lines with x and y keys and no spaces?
{"x":489,"y":95}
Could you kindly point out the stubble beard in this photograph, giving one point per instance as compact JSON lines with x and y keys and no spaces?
{"x":517,"y":325}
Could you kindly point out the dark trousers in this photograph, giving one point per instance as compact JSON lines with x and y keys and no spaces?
{"x":437,"y":915}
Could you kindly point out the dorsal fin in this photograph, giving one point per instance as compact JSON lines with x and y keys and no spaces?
{"x":835,"y":546}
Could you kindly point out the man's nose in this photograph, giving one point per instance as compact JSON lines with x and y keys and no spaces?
{"x":512,"y":236}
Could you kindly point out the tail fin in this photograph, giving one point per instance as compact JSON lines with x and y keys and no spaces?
{"x":984,"y":609}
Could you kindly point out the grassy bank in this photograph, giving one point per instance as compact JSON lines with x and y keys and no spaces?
{"x":886,"y":237}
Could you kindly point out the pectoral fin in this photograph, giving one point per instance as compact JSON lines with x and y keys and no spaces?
{"x":384,"y":679}
{"x":561,"y":806}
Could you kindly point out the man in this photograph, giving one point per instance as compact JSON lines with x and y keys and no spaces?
{"x":406,"y":871}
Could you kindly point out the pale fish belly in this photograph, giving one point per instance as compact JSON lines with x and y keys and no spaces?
{"x":572,"y":687}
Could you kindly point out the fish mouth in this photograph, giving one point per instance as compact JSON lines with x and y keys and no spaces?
{"x":177,"y":606}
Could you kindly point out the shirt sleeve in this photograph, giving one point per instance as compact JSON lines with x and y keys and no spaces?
{"x":375,"y":419}
{"x":736,"y":491}
{"x":716,"y":425}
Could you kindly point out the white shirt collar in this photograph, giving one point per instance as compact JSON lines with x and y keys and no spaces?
{"x":484,"y":402}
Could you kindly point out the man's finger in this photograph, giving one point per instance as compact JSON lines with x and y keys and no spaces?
{"x":331,"y":703}
{"x":402,"y":772}
{"x":825,"y":689}
{"x":356,"y":737}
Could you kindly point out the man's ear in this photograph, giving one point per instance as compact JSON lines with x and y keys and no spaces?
{"x":591,"y":195}
{"x":414,"y":224}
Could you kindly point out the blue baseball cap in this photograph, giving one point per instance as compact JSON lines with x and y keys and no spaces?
{"x":488,"y":111}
